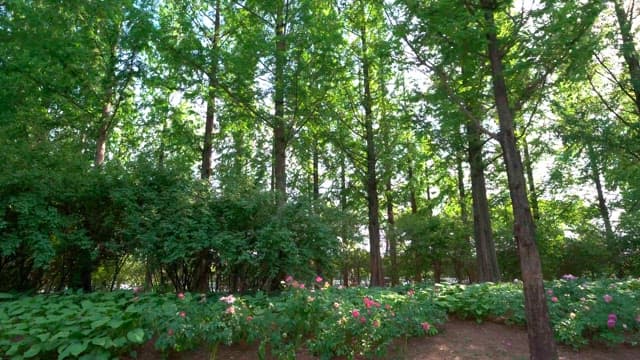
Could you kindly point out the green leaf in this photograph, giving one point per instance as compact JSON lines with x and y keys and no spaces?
{"x":6,"y":296}
{"x":115,"y":323}
{"x":98,"y":323}
{"x":136,"y":336}
{"x":33,"y":351}
{"x":77,"y":348}
{"x":101,"y":341}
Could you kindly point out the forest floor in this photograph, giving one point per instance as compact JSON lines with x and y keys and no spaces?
{"x":457,"y":340}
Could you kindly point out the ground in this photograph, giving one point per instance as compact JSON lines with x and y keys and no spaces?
{"x":458,"y":340}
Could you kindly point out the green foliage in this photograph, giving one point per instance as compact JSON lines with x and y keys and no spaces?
{"x":579,"y":309}
{"x":95,"y":326}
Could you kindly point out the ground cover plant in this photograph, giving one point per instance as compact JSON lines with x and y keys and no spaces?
{"x":327,"y":320}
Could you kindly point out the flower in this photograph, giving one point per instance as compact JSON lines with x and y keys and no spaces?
{"x":181,"y":296}
{"x":230,"y":310}
{"x":569,"y":277}
{"x":376,"y":323}
{"x":607,"y":298}
{"x":550,"y":292}
{"x":288,"y":279}
{"x":170,"y":332}
{"x":554,"y":299}
{"x":611,"y":323}
{"x":355,"y":313}
{"x":411,"y":292}
{"x":318,"y":279}
{"x":613,"y":316}
{"x":336,"y":305}
{"x":425,"y":326}
{"x":301,"y":286}
{"x":249,"y":318}
{"x":362,"y":319}
{"x":230,"y":299}
{"x":182,"y":314}
{"x":572,"y":315}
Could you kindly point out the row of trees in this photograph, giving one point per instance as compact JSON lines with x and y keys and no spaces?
{"x":234,"y":141}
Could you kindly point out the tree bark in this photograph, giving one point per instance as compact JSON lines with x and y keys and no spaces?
{"x":528,"y":166}
{"x":464,"y":216}
{"x":541,"y":342}
{"x":602,"y":203}
{"x":377,"y":278}
{"x":391,"y":235}
{"x":412,"y":190}
{"x":486,"y":258}
{"x":203,"y":259}
{"x":279,"y":126}
{"x":316,"y":170}
{"x":629,"y":52}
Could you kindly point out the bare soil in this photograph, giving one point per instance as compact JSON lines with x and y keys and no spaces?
{"x":457,"y":340}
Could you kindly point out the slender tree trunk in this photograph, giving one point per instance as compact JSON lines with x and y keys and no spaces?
{"x":487,"y":260}
{"x":528,"y":167}
{"x":101,"y":145}
{"x":279,"y":125}
{"x":316,"y":170}
{"x":462,"y":194}
{"x":203,"y":259}
{"x":412,"y":190}
{"x":377,"y":278}
{"x":391,"y":235}
{"x":346,"y":262}
{"x":602,"y":203}
{"x":628,"y":49}
{"x":541,"y":342}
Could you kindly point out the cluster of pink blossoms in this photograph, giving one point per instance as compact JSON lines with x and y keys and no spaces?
{"x":607,"y":298}
{"x":368,"y":303}
{"x":611,"y":321}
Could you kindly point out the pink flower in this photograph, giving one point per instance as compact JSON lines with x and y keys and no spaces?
{"x":376,"y":323}
{"x":426,"y":326}
{"x":411,"y":292}
{"x":249,"y":318}
{"x":554,"y":299}
{"x":362,"y":319}
{"x":318,"y":279}
{"x":182,"y":314}
{"x":569,"y":277}
{"x":367,"y":302}
{"x":288,"y":279}
{"x":301,"y":286}
{"x":607,"y":298}
{"x":181,"y":296}
{"x":170,"y":332}
{"x":550,"y":292}
{"x":355,"y":313}
{"x":230,"y":299}
{"x":294,"y":284}
{"x":230,"y":310}
{"x":611,"y":323}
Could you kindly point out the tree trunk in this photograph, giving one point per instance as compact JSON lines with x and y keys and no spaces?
{"x":602,"y":203}
{"x":377,"y":279}
{"x":487,"y":260}
{"x":464,"y":216}
{"x":628,"y":49}
{"x":528,"y":166}
{"x":391,"y":236}
{"x":541,"y":342}
{"x":279,"y":126}
{"x":203,"y":259}
{"x":412,"y":190}
{"x":316,"y":170}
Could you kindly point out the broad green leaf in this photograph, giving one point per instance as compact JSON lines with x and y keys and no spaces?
{"x":33,"y":351}
{"x":77,"y":348}
{"x":136,"y":336}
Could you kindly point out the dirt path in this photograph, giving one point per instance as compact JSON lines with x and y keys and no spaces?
{"x":458,"y":340}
